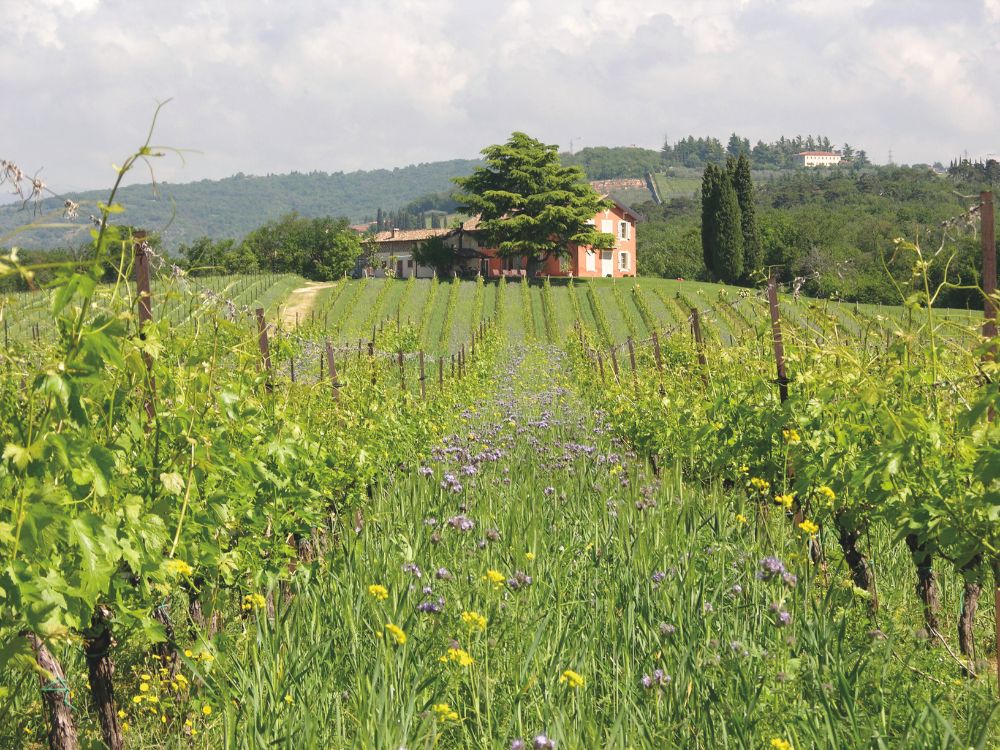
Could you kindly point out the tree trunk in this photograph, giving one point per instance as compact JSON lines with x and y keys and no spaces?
{"x":972,"y":574}
{"x":55,"y":697}
{"x":101,"y":670}
{"x":860,"y":572}
{"x":927,"y":589}
{"x":167,"y":650}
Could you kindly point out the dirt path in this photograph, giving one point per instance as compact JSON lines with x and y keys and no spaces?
{"x":300,"y":303}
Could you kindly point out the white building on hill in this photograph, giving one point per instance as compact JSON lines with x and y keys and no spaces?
{"x":817,"y":158}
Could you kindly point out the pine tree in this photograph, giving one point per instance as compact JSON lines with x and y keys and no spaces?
{"x":753,"y":251}
{"x":728,"y":251}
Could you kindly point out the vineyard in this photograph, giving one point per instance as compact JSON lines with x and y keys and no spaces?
{"x":444,"y":513}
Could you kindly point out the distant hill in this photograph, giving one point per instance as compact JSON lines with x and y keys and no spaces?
{"x":233,"y":206}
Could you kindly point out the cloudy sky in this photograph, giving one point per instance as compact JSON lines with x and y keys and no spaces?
{"x":260,"y":86}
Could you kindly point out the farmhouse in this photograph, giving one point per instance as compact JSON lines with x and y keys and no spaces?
{"x":817,"y":158}
{"x":472,"y":256}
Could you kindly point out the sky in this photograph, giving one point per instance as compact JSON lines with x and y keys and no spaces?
{"x":270,"y":87}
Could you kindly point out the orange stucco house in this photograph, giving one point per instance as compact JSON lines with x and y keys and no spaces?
{"x":474,"y":257}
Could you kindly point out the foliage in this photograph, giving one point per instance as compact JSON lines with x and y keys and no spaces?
{"x":529,"y":204}
{"x":722,"y":225}
{"x":435,"y":253}
{"x":319,"y":249}
{"x":753,"y":251}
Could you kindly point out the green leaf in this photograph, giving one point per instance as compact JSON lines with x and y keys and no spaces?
{"x":172,"y":483}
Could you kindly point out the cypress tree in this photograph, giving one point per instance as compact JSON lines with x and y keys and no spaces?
{"x":728,"y":256}
{"x":709,"y":215}
{"x":753,"y":250}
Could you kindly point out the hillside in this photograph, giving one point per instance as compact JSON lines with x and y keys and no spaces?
{"x":233,"y":206}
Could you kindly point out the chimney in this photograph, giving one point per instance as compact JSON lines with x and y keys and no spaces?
{"x":394,"y":230}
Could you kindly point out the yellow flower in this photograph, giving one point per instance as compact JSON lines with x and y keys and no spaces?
{"x":809,"y":527}
{"x":744,"y":469}
{"x":827,"y":493}
{"x":474,"y":620}
{"x":779,"y":744}
{"x":791,"y":436}
{"x":572,"y":679}
{"x":529,"y":556}
{"x":253,"y":601}
{"x":206,"y":709}
{"x":121,"y":713}
{"x":784,"y":501}
{"x":381,"y":593}
{"x":188,"y":653}
{"x":137,"y":699}
{"x":179,"y":567}
{"x":495,"y":577}
{"x":459,"y":655}
{"x":444,"y":712}
{"x":289,"y":699}
{"x":397,"y":633}
{"x":761,"y":485}
{"x":740,"y":518}
{"x":144,"y":687}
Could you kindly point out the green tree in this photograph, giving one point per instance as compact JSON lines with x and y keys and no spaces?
{"x":710,"y":184}
{"x":529,"y":204}
{"x":753,"y":250}
{"x":728,"y":252}
{"x":320,"y":249}
{"x":436,"y":254}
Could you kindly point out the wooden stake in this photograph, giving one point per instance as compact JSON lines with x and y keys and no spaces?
{"x":631,"y":353}
{"x":614,"y":361}
{"x":423,"y":388}
{"x":55,"y":698}
{"x":440,"y":374}
{"x":600,"y":365}
{"x":656,"y":352}
{"x":145,"y":316}
{"x":262,"y":343}
{"x":402,"y":372}
{"x":779,"y":349}
{"x":699,"y":345}
{"x":333,"y":370}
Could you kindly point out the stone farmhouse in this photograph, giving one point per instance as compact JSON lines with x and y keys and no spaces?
{"x":817,"y":158}
{"x":473,"y":257}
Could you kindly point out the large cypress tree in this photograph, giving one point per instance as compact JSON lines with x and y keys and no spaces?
{"x":709,"y":215}
{"x":728,"y":251}
{"x":753,"y":250}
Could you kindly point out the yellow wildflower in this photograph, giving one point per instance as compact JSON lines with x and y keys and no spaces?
{"x":289,"y":699}
{"x":529,"y":556}
{"x":381,"y":593}
{"x":827,"y":493}
{"x":572,"y":679}
{"x":144,"y":687}
{"x":761,"y":485}
{"x":206,"y":709}
{"x":444,"y":712}
{"x":179,"y":567}
{"x":459,"y":655}
{"x":784,"y":501}
{"x":741,"y":519}
{"x":253,"y":601}
{"x":495,"y":577}
{"x":474,"y":620}
{"x":810,"y":527}
{"x":397,"y":633}
{"x":791,"y":436}
{"x":779,"y":744}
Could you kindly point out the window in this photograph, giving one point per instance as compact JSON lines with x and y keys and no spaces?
{"x":623,"y":230}
{"x":591,"y":262}
{"x":608,"y":226}
{"x":622,"y":261}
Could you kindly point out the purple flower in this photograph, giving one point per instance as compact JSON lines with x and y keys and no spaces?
{"x":431,"y":608}
{"x":443,"y":574}
{"x":517,"y":744}
{"x":667,"y":629}
{"x":493,"y":535}
{"x":658,"y":576}
{"x":789,"y":579}
{"x":736,"y":589}
{"x":430,"y":521}
{"x":413,"y":569}
{"x":783,"y":618}
{"x":541,"y":742}
{"x":770,"y":567}
{"x":518,"y":580}
{"x":425,"y":471}
{"x":658,"y":679}
{"x":549,"y":490}
{"x":461,"y":523}
{"x":708,"y":607}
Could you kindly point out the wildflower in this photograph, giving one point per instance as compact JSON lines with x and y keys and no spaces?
{"x":206,"y":709}
{"x":137,"y":699}
{"x":541,"y":742}
{"x":780,"y":744}
{"x":495,"y":577}
{"x":474,"y":620}
{"x":782,"y":619}
{"x":658,"y":679}
{"x":741,"y":519}
{"x":789,"y":579}
{"x":518,"y":580}
{"x":413,"y":569}
{"x":379,"y":592}
{"x":517,"y":744}
{"x":791,"y":436}
{"x":443,"y":574}
{"x":827,"y":493}
{"x":810,"y":527}
{"x":253,"y":601}
{"x":144,"y":687}
{"x":571,"y":679}
{"x":736,"y":590}
{"x":529,"y":556}
{"x":461,"y":523}
{"x":289,"y":699}
{"x":658,"y":576}
{"x":459,"y":656}
{"x":785,"y":501}
{"x":188,"y":653}
{"x":431,"y":608}
{"x":667,"y":629}
{"x":761,"y":485}
{"x":179,"y":567}
{"x":397,"y":633}
{"x":444,"y":712}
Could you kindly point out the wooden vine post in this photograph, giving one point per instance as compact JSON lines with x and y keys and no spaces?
{"x":699,"y":344}
{"x":423,"y":377}
{"x":779,"y":348}
{"x":987,"y":232}
{"x":440,"y":374}
{"x":631,"y":355}
{"x":145,"y":316}
{"x":614,"y":362}
{"x":264,"y":346}
{"x":600,"y":365}
{"x":333,"y":370}
{"x":402,"y":372}
{"x":658,"y":356}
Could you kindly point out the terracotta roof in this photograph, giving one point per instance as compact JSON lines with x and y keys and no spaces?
{"x":411,"y":235}
{"x":817,"y":153}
